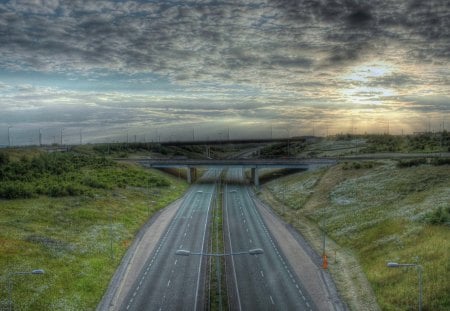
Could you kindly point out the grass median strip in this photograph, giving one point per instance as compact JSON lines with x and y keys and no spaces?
{"x":218,"y":299}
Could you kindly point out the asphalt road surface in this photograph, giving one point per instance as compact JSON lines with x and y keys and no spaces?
{"x":168,"y":281}
{"x":256,"y":282}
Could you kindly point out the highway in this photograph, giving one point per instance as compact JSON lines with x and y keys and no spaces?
{"x":168,"y":281}
{"x":258,"y":282}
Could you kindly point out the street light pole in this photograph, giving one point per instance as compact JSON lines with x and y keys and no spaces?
{"x":10,"y":275}
{"x":419,"y":271}
{"x":254,"y":251}
{"x":9,"y":136}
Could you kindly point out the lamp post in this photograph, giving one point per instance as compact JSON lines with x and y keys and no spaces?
{"x":10,"y":275}
{"x":9,"y":136}
{"x":419,"y":271}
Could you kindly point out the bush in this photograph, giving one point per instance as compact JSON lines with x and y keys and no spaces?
{"x":441,"y":216}
{"x":69,"y":174}
{"x":441,"y":161}
{"x":15,"y":190}
{"x":410,"y":163}
{"x":4,"y":158}
{"x":93,"y":183}
{"x":358,"y":165}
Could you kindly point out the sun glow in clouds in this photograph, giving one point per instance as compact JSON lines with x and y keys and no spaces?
{"x":367,"y":72}
{"x":360,"y":90}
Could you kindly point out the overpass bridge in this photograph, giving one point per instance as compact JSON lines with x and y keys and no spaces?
{"x":238,"y":141}
{"x":253,"y":164}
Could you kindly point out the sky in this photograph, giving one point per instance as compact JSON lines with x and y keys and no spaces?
{"x":173,"y":70}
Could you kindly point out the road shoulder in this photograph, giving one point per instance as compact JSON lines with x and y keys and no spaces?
{"x":132,"y":263}
{"x":304,"y":261}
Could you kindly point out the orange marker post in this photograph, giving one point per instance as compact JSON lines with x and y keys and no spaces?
{"x":324,"y":262}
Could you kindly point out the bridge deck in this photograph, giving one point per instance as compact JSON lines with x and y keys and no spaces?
{"x":249,"y":163}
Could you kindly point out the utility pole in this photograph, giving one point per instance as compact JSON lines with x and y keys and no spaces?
{"x":40,"y":137}
{"x":61,"y":136}
{"x":81,"y":137}
{"x":9,"y":136}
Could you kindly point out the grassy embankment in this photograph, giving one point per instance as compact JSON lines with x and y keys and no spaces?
{"x":376,"y":212}
{"x":73,"y":216}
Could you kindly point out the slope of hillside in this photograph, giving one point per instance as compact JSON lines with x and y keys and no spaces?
{"x":377,"y":212}
{"x":73,"y":216}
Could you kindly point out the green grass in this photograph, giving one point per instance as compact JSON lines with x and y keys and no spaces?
{"x":382,"y":213}
{"x":70,"y":236}
{"x":217,"y":276}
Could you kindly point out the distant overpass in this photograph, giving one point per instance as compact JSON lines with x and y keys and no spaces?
{"x":237,"y":141}
{"x":254,"y":164}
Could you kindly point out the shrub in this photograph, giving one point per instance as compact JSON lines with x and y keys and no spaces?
{"x":440,"y":216}
{"x":4,"y":158}
{"x":93,"y":183}
{"x":15,"y":190}
{"x":410,"y":163}
{"x":358,"y":165}
{"x":441,"y":161}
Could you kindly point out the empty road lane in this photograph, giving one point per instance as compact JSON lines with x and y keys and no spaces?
{"x":260,"y":282}
{"x":168,"y":282}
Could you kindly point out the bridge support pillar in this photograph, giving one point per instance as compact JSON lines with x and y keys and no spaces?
{"x":255,"y":176}
{"x":191,"y":174}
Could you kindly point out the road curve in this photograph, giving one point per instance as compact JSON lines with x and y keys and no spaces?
{"x":168,"y":281}
{"x":258,"y":282}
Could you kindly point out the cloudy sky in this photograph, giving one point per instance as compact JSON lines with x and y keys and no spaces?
{"x":167,"y":68}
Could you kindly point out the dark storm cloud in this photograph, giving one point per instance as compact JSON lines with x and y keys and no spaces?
{"x":202,"y":40}
{"x":357,"y":25}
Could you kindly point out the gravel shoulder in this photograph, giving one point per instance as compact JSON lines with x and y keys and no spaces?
{"x":305,"y":262}
{"x":136,"y":256}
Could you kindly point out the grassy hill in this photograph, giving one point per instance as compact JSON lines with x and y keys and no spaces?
{"x":375,"y":212}
{"x":74,"y":216}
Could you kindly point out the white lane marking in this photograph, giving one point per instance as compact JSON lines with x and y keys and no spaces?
{"x":231,"y":250}
{"x":271,"y":299}
{"x":168,"y":283}
{"x":175,"y":263}
{"x":203,"y":245}
{"x":262,"y":273}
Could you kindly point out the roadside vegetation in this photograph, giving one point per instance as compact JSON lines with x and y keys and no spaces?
{"x":376,"y":212}
{"x":141,"y":149}
{"x":217,"y":286}
{"x":73,"y":215}
{"x":352,"y":144}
